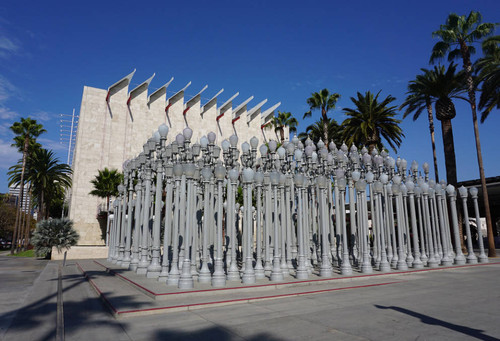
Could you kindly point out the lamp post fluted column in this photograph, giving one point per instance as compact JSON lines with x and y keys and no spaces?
{"x":130,"y":209}
{"x":326,"y":266}
{"x":345,"y":267}
{"x":204,"y":275}
{"x":154,"y":267}
{"x":233,"y":273}
{"x":218,"y":277}
{"x":259,"y":269}
{"x":174,"y":274}
{"x":249,"y":274}
{"x":483,"y":258}
{"x":186,"y":278}
{"x":459,"y":256}
{"x":144,"y":262}
{"x":471,"y":257}
{"x":276,"y":273}
{"x":417,"y":262}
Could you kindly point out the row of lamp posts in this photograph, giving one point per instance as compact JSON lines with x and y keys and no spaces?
{"x":307,"y":209}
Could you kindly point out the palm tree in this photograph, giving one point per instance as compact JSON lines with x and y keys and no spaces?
{"x":316,"y":132}
{"x":439,"y":85}
{"x":106,"y":184}
{"x":26,"y":130}
{"x":323,"y":101}
{"x":370,"y":121}
{"x":47,"y":176}
{"x":418,"y":99}
{"x":282,"y":120}
{"x":489,"y":75}
{"x":456,"y":38}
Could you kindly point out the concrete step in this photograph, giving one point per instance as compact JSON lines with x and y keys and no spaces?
{"x":128,"y":294}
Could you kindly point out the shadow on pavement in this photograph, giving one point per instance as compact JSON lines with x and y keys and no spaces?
{"x":209,"y":334}
{"x":477,"y":333}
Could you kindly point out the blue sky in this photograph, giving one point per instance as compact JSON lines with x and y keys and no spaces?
{"x":282,"y":51}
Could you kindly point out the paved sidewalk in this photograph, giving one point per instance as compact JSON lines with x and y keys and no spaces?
{"x":454,"y":304}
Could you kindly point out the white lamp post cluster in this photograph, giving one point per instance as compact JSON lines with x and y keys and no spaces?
{"x":306,"y":210}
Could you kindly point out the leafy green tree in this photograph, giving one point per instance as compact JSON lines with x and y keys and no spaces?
{"x":26,"y":131}
{"x":439,"y":85}
{"x":282,"y":120}
{"x":48,"y":178}
{"x":488,"y":68}
{"x":371,"y":121}
{"x":57,"y":233}
{"x":316,"y":132}
{"x":106,"y":184}
{"x":419,"y":98}
{"x":322,"y":101}
{"x":457,"y":37}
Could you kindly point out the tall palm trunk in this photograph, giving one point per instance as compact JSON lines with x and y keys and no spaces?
{"x":20,"y":202}
{"x":325,"y":126}
{"x":472,"y":100}
{"x":433,"y":142}
{"x":449,"y":152}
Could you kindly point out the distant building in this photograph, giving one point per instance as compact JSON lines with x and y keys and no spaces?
{"x":15,"y":191}
{"x":115,"y":123}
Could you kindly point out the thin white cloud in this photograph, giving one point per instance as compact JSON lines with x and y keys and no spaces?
{"x":51,"y":144}
{"x":7,"y":89}
{"x":9,"y":155}
{"x":41,"y":116}
{"x":7,"y":114}
{"x":7,"y":45}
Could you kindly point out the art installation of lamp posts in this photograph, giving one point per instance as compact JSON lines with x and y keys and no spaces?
{"x":306,"y":210}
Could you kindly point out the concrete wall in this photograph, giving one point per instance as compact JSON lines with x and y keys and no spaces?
{"x":113,"y":128}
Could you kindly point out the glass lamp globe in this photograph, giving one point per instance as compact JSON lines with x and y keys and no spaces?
{"x":225,"y":145}
{"x":281,"y":152}
{"x":188,"y":133}
{"x":425,"y":166}
{"x":341,"y":183}
{"x":211,"y":137}
{"x":156,"y":137}
{"x":361,"y":185}
{"x":254,"y":142}
{"x":263,"y":150}
{"x":163,"y":130}
{"x":344,"y":148}
{"x":369,"y":177}
{"x":206,"y":173}
{"x":245,"y":147}
{"x":272,"y":146}
{"x":298,"y":154}
{"x":463,"y":191}
{"x":179,"y":139}
{"x":204,"y":142}
{"x":356,"y":175}
{"x":473,"y":192}
{"x":233,"y":140}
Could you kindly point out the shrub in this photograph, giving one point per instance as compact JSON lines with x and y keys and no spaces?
{"x":56,"y":232}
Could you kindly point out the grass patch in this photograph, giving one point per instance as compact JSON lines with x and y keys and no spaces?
{"x":27,"y":253}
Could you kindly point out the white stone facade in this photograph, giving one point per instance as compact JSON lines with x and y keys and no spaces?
{"x":115,"y":123}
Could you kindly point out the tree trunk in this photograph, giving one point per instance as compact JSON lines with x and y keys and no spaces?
{"x":433,"y":142}
{"x":20,"y":202}
{"x":325,"y":126}
{"x":282,"y":134}
{"x":449,"y":152}
{"x":472,"y":100}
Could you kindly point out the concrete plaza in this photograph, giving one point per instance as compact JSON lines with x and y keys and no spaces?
{"x":449,"y":304}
